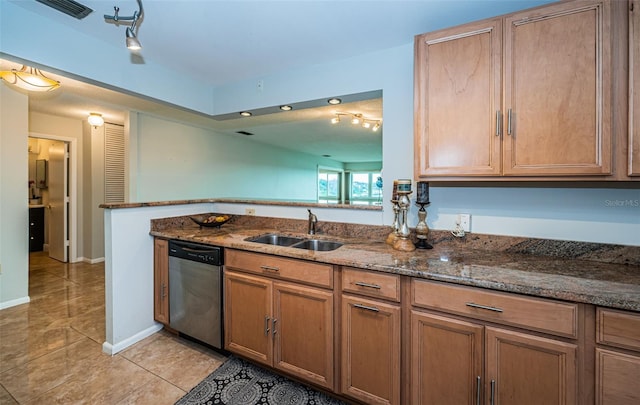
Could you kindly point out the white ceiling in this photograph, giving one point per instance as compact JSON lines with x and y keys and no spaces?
{"x":226,"y":41}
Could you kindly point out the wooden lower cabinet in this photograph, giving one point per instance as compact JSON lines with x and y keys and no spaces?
{"x":370,"y":350}
{"x":527,"y":369}
{"x":161,"y":281}
{"x":618,"y":358}
{"x":446,"y":360}
{"x":456,"y":361}
{"x":282,"y":325}
{"x":617,"y":378}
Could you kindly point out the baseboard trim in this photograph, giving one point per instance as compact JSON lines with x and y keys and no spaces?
{"x":16,"y":302}
{"x":91,"y":261}
{"x":113,"y":349}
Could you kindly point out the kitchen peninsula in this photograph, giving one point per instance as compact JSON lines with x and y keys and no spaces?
{"x":560,"y":293}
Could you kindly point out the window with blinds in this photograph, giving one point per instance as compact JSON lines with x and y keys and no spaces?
{"x":114,"y":163}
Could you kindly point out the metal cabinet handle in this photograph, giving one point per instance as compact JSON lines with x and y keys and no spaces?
{"x":270,"y":268}
{"x":493,"y":391}
{"x":478,"y":381}
{"x":266,"y":325}
{"x":368,"y":308}
{"x":274,"y":327}
{"x":363,"y":284}
{"x":498,"y":126}
{"x":509,"y":123}
{"x":474,"y":305}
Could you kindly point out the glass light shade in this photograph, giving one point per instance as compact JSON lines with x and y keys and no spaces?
{"x":30,"y":79}
{"x":132,"y":42}
{"x":335,"y":119}
{"x":95,"y":119}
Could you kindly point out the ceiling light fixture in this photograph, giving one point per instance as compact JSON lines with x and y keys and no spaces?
{"x":334,"y":101}
{"x":286,"y":108}
{"x":358,"y":119}
{"x":246,"y":114}
{"x":131,"y":33}
{"x":95,"y":120}
{"x":29,"y":78}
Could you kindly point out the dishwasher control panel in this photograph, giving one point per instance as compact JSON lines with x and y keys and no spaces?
{"x":196,"y":252}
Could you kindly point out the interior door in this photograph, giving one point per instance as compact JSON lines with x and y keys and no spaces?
{"x":58,"y":201}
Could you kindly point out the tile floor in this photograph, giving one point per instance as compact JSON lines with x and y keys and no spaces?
{"x":51,"y":348}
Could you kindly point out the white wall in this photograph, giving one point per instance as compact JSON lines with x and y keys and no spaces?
{"x":174,"y":161}
{"x":14,"y":210}
{"x":129,"y":272}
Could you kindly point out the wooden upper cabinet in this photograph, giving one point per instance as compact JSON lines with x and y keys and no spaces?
{"x":524,"y":95}
{"x":634,"y":88}
{"x":457,"y":101}
{"x":558,"y":90}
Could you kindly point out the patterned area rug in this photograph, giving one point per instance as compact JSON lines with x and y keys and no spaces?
{"x":240,"y":382}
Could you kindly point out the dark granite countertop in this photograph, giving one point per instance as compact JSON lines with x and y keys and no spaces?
{"x":605,"y":275}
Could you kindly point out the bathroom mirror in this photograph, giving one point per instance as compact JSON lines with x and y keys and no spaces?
{"x":41,"y":173}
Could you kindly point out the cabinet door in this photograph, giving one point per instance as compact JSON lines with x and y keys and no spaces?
{"x":558,"y":90}
{"x":161,"y":281}
{"x":457,"y":101}
{"x":525,"y":369}
{"x":446,"y":360}
{"x":303,"y":332}
{"x":247,"y":311}
{"x":634,"y":88}
{"x":370,"y":350}
{"x":617,"y":377}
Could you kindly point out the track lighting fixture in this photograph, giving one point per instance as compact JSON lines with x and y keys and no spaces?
{"x":29,"y":78}
{"x":131,"y":33}
{"x":358,"y":119}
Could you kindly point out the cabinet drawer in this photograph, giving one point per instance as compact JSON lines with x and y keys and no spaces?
{"x":618,"y":328}
{"x":312,"y":273}
{"x":372,"y":284}
{"x":558,"y":318}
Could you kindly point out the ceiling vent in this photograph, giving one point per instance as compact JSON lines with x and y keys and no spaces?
{"x":69,"y":7}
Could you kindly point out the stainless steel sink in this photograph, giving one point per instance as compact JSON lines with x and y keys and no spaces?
{"x":319,"y":245}
{"x":298,"y":243}
{"x":275,"y":239}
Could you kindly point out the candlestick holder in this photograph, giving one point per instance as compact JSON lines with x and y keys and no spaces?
{"x":396,"y":226}
{"x":403,"y":242}
{"x":422,"y":230}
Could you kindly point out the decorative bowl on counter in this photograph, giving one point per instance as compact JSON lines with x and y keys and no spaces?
{"x":211,"y":220}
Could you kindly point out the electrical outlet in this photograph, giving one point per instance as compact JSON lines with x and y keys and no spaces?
{"x":250,"y":211}
{"x":260,"y":85}
{"x":465,"y":222}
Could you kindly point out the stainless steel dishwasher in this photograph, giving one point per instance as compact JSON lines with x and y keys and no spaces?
{"x":195,"y":291}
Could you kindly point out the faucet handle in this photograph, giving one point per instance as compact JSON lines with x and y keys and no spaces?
{"x":312,"y":216}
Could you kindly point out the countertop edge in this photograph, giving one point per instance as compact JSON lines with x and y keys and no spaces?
{"x":542,"y":285}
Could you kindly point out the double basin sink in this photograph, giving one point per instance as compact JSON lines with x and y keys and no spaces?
{"x":298,"y":243}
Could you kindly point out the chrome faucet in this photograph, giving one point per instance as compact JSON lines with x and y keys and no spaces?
{"x":313,"y":220}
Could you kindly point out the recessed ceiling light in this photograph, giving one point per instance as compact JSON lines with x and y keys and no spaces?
{"x":246,"y":113}
{"x":334,"y":101}
{"x":286,"y":108}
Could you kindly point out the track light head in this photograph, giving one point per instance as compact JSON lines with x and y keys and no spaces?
{"x":132,"y":41}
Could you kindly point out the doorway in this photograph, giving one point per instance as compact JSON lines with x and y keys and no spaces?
{"x":59,"y":198}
